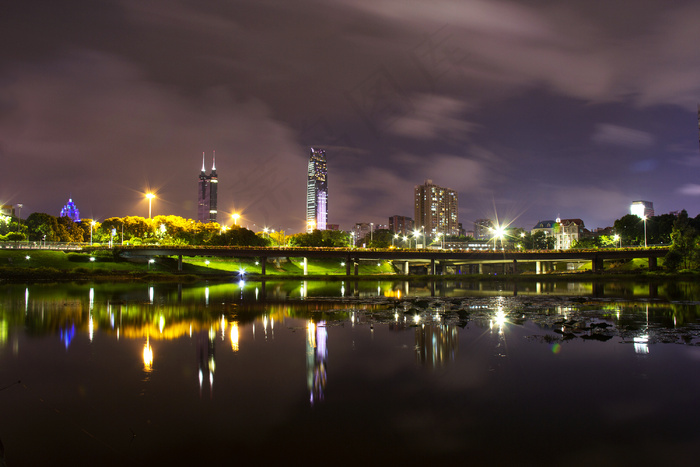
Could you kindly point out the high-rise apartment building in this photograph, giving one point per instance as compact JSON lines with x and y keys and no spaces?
{"x":317,"y":191}
{"x":207,"y":193}
{"x":436,"y":209}
{"x":642,"y":208}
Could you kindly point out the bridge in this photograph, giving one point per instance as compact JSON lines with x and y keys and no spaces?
{"x":431,"y":258}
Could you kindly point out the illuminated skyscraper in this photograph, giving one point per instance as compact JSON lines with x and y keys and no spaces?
{"x":317,"y":191}
{"x":436,"y":210}
{"x":207,"y":193}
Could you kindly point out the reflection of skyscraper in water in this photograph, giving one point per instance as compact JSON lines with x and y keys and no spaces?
{"x":436,"y":344}
{"x":316,"y":356}
{"x":206,"y":342}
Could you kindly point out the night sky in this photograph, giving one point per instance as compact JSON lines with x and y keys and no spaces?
{"x":533,"y":109}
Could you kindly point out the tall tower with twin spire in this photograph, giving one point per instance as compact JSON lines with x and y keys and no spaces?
{"x":207,"y":193}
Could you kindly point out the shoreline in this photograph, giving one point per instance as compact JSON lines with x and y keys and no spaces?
{"x":38,"y":275}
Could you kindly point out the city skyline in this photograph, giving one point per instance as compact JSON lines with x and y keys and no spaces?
{"x":528,"y":112}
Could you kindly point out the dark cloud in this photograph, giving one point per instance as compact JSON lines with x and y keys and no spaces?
{"x":534,"y":108}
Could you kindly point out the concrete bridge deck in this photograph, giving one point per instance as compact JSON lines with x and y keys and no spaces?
{"x":352,"y":257}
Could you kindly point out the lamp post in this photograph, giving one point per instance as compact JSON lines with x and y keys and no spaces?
{"x":405,"y":239}
{"x":371,"y":233}
{"x":150,"y":197}
{"x":644,"y":218}
{"x":416,"y":234}
{"x":92,"y":225}
{"x":235,"y":217}
{"x":394,"y":238}
{"x":19,"y":217}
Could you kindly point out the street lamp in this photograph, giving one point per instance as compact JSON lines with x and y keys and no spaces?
{"x":371,"y":232}
{"x":416,"y":234}
{"x":150,"y":197}
{"x":395,"y":237}
{"x":644,"y":218}
{"x":617,"y":238}
{"x":235,"y":216}
{"x":19,"y":217}
{"x":92,"y":225}
{"x":266,"y":231}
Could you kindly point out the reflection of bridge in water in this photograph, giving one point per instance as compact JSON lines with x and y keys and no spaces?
{"x":459,"y":261}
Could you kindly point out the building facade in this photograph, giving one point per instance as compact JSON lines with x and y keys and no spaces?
{"x":401,"y":225}
{"x":436,"y":209}
{"x":566,"y":232}
{"x":317,"y":191}
{"x":7,"y":210}
{"x":642,"y":209}
{"x":71,"y":210}
{"x":207,"y":193}
{"x":483,"y":229}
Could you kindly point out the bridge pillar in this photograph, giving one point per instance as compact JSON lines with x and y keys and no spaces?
{"x":538,"y":267}
{"x":432,"y":266}
{"x":179,"y":263}
{"x":481,"y":268}
{"x":306,"y":266}
{"x":357,"y":267}
{"x":652,"y":264}
{"x":406,"y":268}
{"x":597,"y":264}
{"x":348,"y":264}
{"x":263,"y":263}
{"x":515,"y":266}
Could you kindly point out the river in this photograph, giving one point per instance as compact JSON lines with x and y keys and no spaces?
{"x":345,"y":373}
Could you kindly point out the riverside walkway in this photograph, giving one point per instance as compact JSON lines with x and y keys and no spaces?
{"x":446,"y":259}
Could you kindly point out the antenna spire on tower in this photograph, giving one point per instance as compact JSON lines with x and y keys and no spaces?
{"x":213,"y":167}
{"x":203,"y":168}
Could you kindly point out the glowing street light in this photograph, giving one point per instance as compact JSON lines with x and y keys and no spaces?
{"x":235,"y":217}
{"x":416,"y":234}
{"x":644,"y":218}
{"x":150,"y":197}
{"x":395,"y":237}
{"x":617,"y":238}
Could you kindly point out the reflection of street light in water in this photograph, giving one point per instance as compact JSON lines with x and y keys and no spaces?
{"x":147,"y":356}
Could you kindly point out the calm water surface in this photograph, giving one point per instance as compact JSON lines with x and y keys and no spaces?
{"x":341,"y":373}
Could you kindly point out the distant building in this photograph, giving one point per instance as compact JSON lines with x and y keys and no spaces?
{"x":360,"y":231}
{"x":566,"y":232}
{"x":436,"y":209}
{"x":642,"y":209}
{"x":70,"y":210}
{"x":207,"y":193}
{"x":7,"y":210}
{"x":401,"y":225}
{"x":569,"y":232}
{"x":332,"y":226}
{"x":483,"y":229}
{"x":317,"y":191}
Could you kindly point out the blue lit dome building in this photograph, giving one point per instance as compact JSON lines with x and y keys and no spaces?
{"x":71,"y":210}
